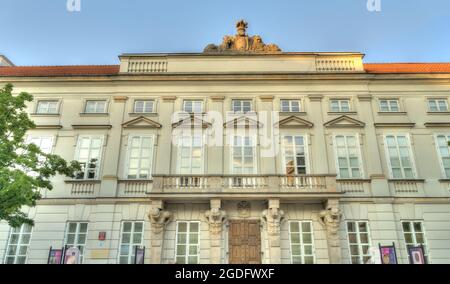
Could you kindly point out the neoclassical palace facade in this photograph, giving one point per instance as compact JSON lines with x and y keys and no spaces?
{"x":239,"y":154}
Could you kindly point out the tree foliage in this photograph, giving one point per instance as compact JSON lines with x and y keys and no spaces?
{"x":24,"y":169}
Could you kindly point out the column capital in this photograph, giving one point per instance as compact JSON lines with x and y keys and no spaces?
{"x":120,"y":99}
{"x":315,"y":97}
{"x":158,"y":217}
{"x":364,"y":97}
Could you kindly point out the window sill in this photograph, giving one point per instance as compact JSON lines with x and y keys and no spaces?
{"x":70,"y":181}
{"x":94,"y":114}
{"x":392,"y":113}
{"x":407,"y":180}
{"x":143,"y":114}
{"x":446,"y":180}
{"x":135,"y":180}
{"x":45,"y":114}
{"x":353,"y":180}
{"x":438,"y":112}
{"x":292,"y":113}
{"x":341,"y":112}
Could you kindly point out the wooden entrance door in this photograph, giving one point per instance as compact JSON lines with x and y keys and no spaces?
{"x":244,"y":239}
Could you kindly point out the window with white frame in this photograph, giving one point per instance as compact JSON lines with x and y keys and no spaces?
{"x":132,"y":236}
{"x":400,"y":157}
{"x":76,"y":235}
{"x":45,"y":143}
{"x":193,"y":106}
{"x":47,"y":107}
{"x":140,"y":157}
{"x":18,"y":243}
{"x":348,"y":156}
{"x":443,"y":149}
{"x":88,"y":153}
{"x":243,"y":155}
{"x":437,"y":105}
{"x":295,"y":156}
{"x":414,"y":235}
{"x":190,"y":154}
{"x":389,"y":105}
{"x":302,"y":242}
{"x":359,"y":241}
{"x":143,"y":106}
{"x":97,"y":106}
{"x":340,"y":105}
{"x":290,"y":105}
{"x":243,"y":106}
{"x":187,"y":242}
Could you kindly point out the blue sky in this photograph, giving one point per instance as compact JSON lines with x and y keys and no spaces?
{"x":43,"y":32}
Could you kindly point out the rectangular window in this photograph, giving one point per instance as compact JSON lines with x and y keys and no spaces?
{"x":444,"y":153}
{"x":243,"y":155}
{"x":89,"y":151}
{"x":302,"y":242}
{"x":44,"y":143}
{"x":437,"y":105}
{"x":389,"y":106}
{"x":359,"y":241}
{"x":95,"y":107}
{"x":400,"y":157}
{"x":295,"y":155}
{"x":47,"y":107}
{"x":415,"y":235}
{"x":188,"y":243}
{"x":76,"y":235}
{"x":18,"y":243}
{"x":143,"y":106}
{"x":192,"y":106}
{"x":132,"y":236}
{"x":140,"y":157}
{"x":190,"y":154}
{"x":290,"y":106}
{"x":243,"y":106}
{"x":348,"y":160}
{"x":340,"y":105}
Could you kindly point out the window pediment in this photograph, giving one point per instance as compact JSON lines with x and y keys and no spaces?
{"x":243,"y":122}
{"x":344,"y":122}
{"x":141,"y":122}
{"x":294,"y":122}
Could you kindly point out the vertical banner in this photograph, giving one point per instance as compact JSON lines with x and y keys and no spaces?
{"x":55,"y":256}
{"x":416,"y":255}
{"x":139,"y":255}
{"x":72,"y":256}
{"x":388,"y":254}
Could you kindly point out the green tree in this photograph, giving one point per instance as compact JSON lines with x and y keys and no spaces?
{"x":24,"y":169}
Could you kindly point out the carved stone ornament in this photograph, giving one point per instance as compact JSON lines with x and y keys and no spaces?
{"x":159,"y":218}
{"x":330,"y":218}
{"x":242,"y":43}
{"x":215,"y":218}
{"x":243,"y":209}
{"x":273,"y":217}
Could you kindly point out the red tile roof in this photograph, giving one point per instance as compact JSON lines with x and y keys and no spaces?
{"x":75,"y":70}
{"x":378,"y":68}
{"x":92,"y":70}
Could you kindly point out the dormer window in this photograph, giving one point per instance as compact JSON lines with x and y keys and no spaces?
{"x":143,"y":106}
{"x":193,"y":106}
{"x":47,"y":107}
{"x":242,"y":106}
{"x":340,"y":105}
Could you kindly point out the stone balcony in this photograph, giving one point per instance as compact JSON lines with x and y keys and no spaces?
{"x":244,"y":186}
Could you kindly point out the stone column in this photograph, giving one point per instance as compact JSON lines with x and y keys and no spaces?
{"x":272,"y":218}
{"x":158,"y":219}
{"x":330,"y":218}
{"x":215,"y":218}
{"x":319,"y":152}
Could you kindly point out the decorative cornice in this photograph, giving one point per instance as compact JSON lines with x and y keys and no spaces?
{"x":120,"y":99}
{"x":266,"y":98}
{"x":294,"y":122}
{"x":217,"y":98}
{"x":148,"y":123}
{"x":315,"y":98}
{"x":351,"y":123}
{"x":168,"y":98}
{"x":91,"y":126}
